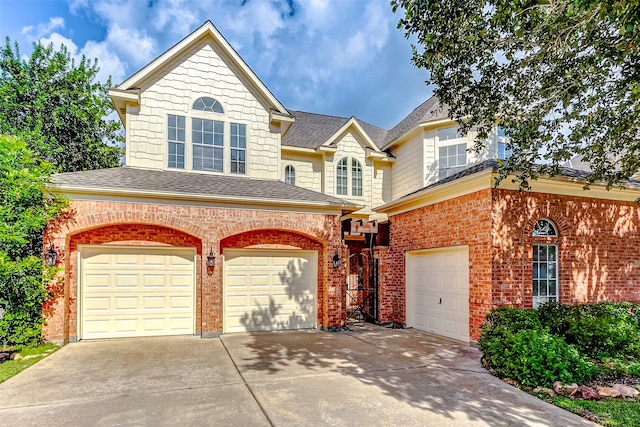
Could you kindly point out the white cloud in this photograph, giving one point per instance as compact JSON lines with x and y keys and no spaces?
{"x":137,"y":47}
{"x":108,"y":61}
{"x":41,"y":30}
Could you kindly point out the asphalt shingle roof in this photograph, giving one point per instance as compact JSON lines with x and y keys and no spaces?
{"x":311,"y":130}
{"x":192,"y":183}
{"x":428,"y":111}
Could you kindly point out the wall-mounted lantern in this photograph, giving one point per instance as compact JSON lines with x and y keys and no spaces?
{"x":336,"y":260}
{"x":211,"y":258}
{"x":51,"y":256}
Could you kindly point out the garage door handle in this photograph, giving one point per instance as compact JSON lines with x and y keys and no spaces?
{"x":440,"y":301}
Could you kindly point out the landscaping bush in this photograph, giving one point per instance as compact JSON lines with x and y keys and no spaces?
{"x":535,"y":357}
{"x":602,"y":330}
{"x":22,"y":294}
{"x":516,"y":345}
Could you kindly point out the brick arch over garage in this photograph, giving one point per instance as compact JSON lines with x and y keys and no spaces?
{"x":91,"y":221}
{"x":329,"y":309}
{"x":124,"y":233}
{"x":322,"y":234}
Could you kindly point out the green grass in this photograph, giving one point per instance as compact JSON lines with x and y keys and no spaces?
{"x":610,"y":412}
{"x":12,"y":367}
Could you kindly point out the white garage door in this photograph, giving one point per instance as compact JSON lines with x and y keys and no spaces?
{"x":136,"y":291}
{"x":438,"y":291}
{"x":270,"y":290}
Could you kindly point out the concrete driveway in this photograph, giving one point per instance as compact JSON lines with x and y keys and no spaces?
{"x":369,"y":376}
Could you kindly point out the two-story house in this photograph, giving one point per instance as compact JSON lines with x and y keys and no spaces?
{"x":234,"y":213}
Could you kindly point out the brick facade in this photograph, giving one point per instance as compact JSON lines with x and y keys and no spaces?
{"x":598,"y":246}
{"x":120,"y":223}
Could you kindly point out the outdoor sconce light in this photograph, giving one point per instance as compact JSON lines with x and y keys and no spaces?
{"x":336,"y":260}
{"x":51,"y":256}
{"x":211,"y":258}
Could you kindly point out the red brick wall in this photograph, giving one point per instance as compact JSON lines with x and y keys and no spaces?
{"x":598,"y":244}
{"x":99,"y":222}
{"x":463,"y":220}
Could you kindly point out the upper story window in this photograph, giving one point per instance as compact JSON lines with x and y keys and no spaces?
{"x":208,"y":104}
{"x":356,"y":178}
{"x":451,"y":159}
{"x":176,"y":134}
{"x":343,"y":172}
{"x":503,"y":150}
{"x":545,"y":264}
{"x":238,"y":148}
{"x":452,"y":132}
{"x":290,"y":175}
{"x":216,"y":145}
{"x":342,"y":180}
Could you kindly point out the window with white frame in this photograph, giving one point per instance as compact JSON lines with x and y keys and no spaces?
{"x":238,"y":148}
{"x":176,"y":136}
{"x":503,"y":150}
{"x":446,"y":134}
{"x":213,"y":139}
{"x":545,"y":264}
{"x":451,"y":159}
{"x":207,"y":138}
{"x":342,"y":177}
{"x":290,"y":175}
{"x":356,"y":178}
{"x":346,"y":175}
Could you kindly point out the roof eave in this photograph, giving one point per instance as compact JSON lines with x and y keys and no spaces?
{"x":248,"y":201}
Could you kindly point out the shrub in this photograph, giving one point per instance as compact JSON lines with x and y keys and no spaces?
{"x":602,"y":330}
{"x":22,"y":293}
{"x":516,"y":344}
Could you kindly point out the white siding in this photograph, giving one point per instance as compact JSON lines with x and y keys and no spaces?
{"x":308,"y":170}
{"x":200,"y":72}
{"x":407,"y":169}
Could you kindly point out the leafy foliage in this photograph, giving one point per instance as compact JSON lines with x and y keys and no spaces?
{"x":561,"y":78}
{"x":603,"y":330}
{"x":58,"y":108}
{"x":515,"y":345}
{"x":562,"y":342}
{"x":25,"y":284}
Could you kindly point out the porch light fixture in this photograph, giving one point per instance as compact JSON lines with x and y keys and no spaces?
{"x":211,"y":258}
{"x":51,"y":256}
{"x":336,"y":260}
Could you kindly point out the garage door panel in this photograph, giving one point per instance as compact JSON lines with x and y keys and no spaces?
{"x":438,"y":291}
{"x":137,"y":292}
{"x":269,"y":290}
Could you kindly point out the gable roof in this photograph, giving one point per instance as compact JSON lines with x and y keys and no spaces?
{"x":428,"y":111}
{"x":123,"y":93}
{"x":167,"y":184}
{"x":312,"y":130}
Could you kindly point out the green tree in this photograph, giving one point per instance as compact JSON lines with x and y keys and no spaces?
{"x":562,"y":77}
{"x":27,"y":213}
{"x":58,"y":107}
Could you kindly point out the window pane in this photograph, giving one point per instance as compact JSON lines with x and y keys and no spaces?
{"x":448,"y":133}
{"x":175,"y":136}
{"x":341,"y":177}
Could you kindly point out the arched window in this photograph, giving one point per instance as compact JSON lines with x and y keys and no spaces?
{"x":290,"y":175}
{"x":356,"y":178}
{"x":545,"y":263}
{"x":342,"y":177}
{"x":545,"y":227}
{"x":208,"y":104}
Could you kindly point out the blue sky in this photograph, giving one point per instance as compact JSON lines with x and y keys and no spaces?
{"x":336,"y":57}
